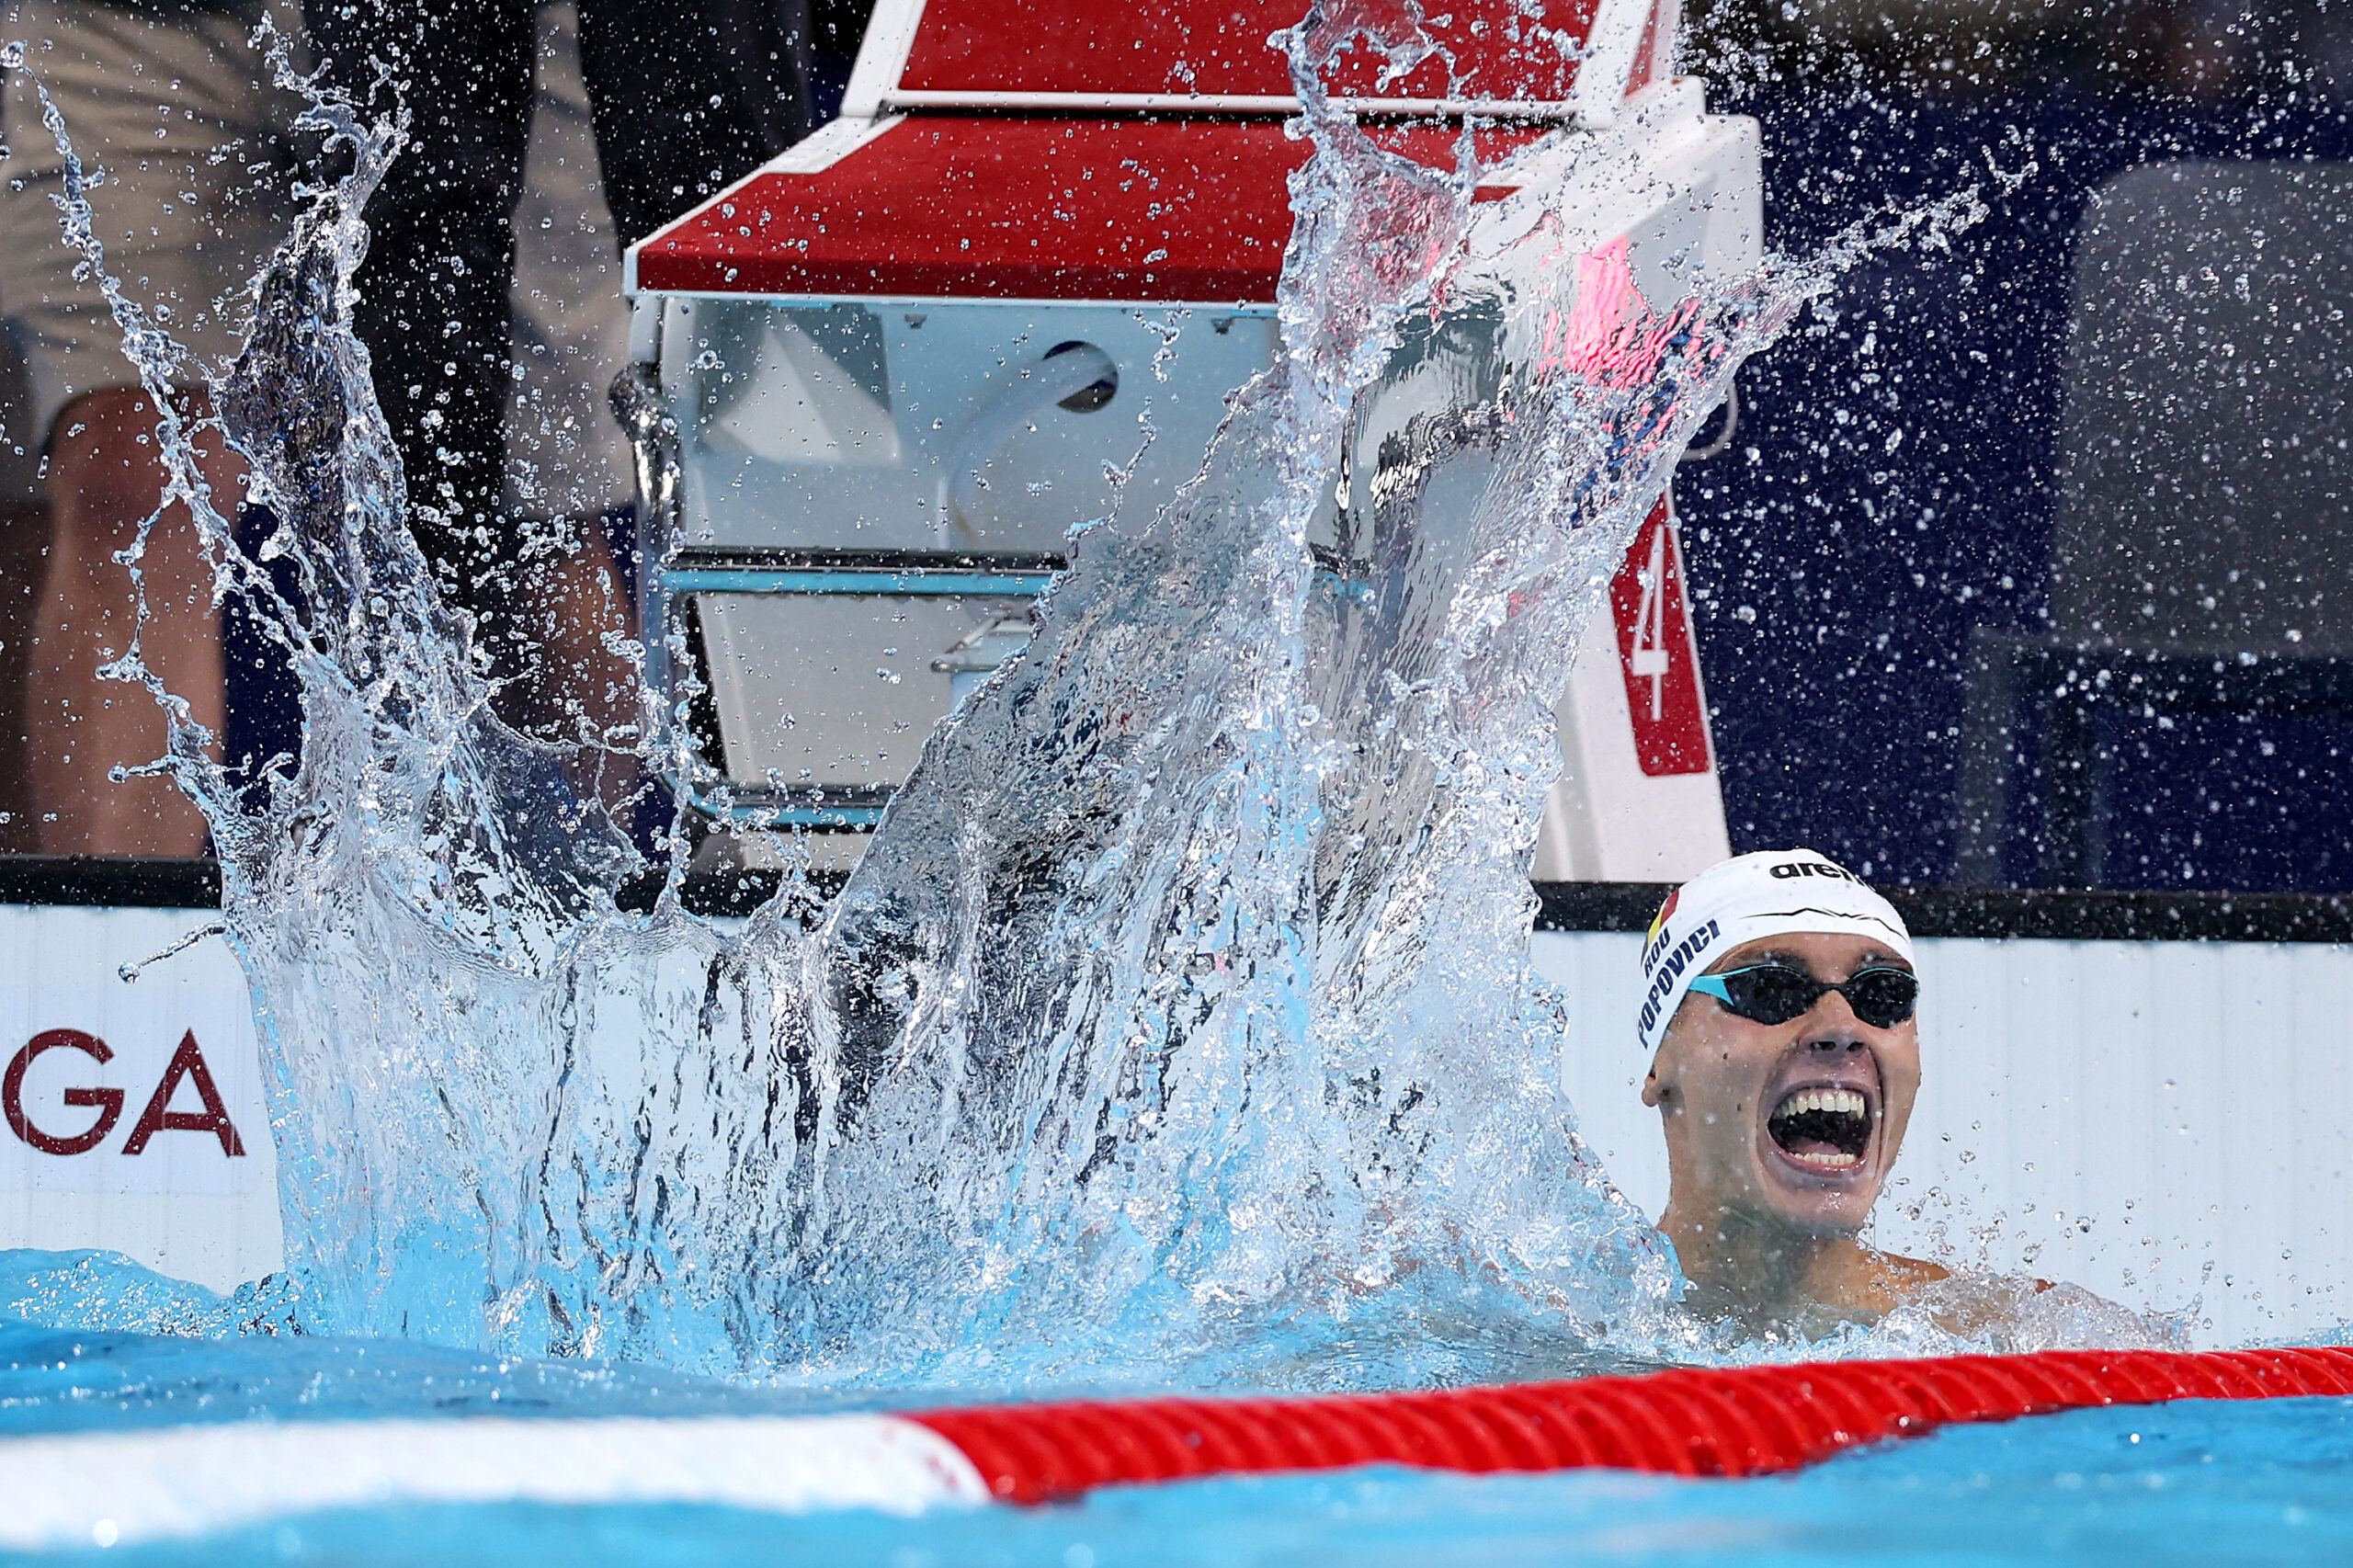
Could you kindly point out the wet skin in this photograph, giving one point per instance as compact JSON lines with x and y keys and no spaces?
{"x":1765,"y":1225}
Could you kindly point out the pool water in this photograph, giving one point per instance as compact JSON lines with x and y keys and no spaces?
{"x":2198,"y":1482}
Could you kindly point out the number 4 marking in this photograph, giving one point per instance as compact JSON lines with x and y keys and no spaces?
{"x":1649,"y":625}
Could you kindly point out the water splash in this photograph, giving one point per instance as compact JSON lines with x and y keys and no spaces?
{"x":1177,"y":1023}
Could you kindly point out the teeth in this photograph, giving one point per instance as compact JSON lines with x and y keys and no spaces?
{"x":1843,"y":1102}
{"x":1829,"y":1159}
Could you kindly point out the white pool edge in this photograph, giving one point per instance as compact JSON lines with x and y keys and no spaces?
{"x":108,"y":1488}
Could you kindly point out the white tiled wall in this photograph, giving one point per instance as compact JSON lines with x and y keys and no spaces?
{"x":2125,"y":1113}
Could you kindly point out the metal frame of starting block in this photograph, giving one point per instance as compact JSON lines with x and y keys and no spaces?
{"x":876,"y":383}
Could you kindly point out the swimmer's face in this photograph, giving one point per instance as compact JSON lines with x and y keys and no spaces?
{"x":1795,"y":1122}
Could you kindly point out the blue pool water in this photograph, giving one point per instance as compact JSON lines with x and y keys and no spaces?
{"x":2200,"y":1481}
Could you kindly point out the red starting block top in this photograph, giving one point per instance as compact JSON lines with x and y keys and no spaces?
{"x":1219,"y":49}
{"x":999,"y":209}
{"x":1072,"y":150}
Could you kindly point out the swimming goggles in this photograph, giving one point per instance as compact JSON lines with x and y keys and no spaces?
{"x":1775,"y":994}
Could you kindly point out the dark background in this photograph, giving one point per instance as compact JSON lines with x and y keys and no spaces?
{"x":1893,"y":483}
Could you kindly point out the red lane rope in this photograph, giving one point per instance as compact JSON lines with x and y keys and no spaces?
{"x":1738,"y":1421}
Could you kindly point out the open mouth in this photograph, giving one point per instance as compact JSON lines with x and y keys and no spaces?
{"x":1829,"y":1129}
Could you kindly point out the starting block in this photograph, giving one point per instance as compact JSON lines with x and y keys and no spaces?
{"x":896,"y":366}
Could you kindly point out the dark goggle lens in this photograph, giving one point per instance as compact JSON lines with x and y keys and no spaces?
{"x":1883,"y":997}
{"x":1772,"y":994}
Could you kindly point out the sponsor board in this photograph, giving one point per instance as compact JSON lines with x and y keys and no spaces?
{"x":134,"y":1117}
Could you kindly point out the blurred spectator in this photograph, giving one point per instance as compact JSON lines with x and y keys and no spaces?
{"x":686,"y":97}
{"x":567,"y":468}
{"x":24,"y":544}
{"x":175,"y":106}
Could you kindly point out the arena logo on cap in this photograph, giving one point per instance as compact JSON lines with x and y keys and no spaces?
{"x":1671,"y":965}
{"x":1788,"y":868}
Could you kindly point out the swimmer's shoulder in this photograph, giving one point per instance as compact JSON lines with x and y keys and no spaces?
{"x":1886,"y":1279}
{"x":1905,"y":1274}
{"x":1909,"y":1273}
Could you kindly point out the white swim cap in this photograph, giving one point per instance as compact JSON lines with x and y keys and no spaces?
{"x":1773,"y":892}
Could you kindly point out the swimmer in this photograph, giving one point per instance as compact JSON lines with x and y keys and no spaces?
{"x":1778,"y":1004}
